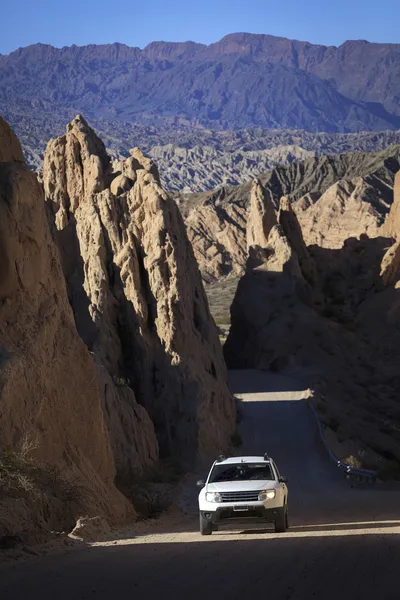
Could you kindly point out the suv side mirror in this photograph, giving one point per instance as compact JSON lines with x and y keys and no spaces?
{"x":283,"y":479}
{"x":201,"y":483}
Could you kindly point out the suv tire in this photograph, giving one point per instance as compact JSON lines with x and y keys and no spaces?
{"x":205,"y":526}
{"x":281,"y":521}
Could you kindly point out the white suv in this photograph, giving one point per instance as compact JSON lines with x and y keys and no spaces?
{"x":243,"y":487}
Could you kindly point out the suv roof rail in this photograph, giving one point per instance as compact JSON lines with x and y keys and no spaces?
{"x":221,"y":458}
{"x":266,"y":457}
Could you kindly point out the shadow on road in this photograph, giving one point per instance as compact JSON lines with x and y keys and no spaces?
{"x":280,"y":568}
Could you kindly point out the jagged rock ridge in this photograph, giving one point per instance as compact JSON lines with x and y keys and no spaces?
{"x":334,"y":197}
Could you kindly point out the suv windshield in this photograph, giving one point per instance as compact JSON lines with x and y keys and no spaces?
{"x":241,"y":472}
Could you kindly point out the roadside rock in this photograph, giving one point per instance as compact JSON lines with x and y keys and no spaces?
{"x":90,"y":528}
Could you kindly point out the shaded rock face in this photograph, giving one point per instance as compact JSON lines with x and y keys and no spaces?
{"x":49,"y":391}
{"x":337,"y":330}
{"x":291,"y":227}
{"x":137,"y":294}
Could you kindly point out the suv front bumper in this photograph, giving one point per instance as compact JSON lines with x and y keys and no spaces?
{"x":226,"y":514}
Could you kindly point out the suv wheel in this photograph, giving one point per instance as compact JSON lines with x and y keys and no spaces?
{"x":205,"y":526}
{"x":281,"y":521}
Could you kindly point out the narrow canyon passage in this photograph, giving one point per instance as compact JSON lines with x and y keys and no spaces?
{"x":343,"y":541}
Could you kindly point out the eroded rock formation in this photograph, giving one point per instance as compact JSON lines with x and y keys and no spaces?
{"x":261,"y":217}
{"x":333,"y":197}
{"x":330,"y":317}
{"x":105,"y":334}
{"x":136,"y":291}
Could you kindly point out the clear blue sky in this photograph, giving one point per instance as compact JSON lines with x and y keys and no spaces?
{"x":138,"y":22}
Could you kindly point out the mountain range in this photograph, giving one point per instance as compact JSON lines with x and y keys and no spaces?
{"x":244,"y":80}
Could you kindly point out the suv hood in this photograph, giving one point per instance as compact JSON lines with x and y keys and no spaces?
{"x":241,"y":486}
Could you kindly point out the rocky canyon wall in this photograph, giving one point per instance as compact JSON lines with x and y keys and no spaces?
{"x":49,"y":397}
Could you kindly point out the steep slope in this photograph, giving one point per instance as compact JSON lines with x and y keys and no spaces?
{"x":335,"y":197}
{"x":50,"y":402}
{"x":136,"y":291}
{"x":241,"y":81}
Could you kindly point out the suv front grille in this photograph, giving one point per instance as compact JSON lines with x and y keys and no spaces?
{"x":239,"y":496}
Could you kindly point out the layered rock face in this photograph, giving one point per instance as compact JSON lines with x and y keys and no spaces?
{"x":331,"y":318}
{"x":137,"y":294}
{"x":49,"y":393}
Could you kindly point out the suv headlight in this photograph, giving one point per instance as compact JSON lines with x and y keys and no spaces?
{"x":266,"y":495}
{"x":213,"y":497}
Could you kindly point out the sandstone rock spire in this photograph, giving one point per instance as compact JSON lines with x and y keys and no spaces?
{"x":136,"y":291}
{"x":261,"y":216}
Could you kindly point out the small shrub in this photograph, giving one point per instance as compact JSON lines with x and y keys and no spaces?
{"x":121,"y":381}
{"x":150,"y":500}
{"x":153,"y":491}
{"x":49,"y":495}
{"x":353,"y":461}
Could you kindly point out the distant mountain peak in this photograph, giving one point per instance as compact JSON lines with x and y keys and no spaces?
{"x":244,"y":80}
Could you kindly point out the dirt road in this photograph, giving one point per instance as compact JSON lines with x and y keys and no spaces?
{"x":343,"y":542}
